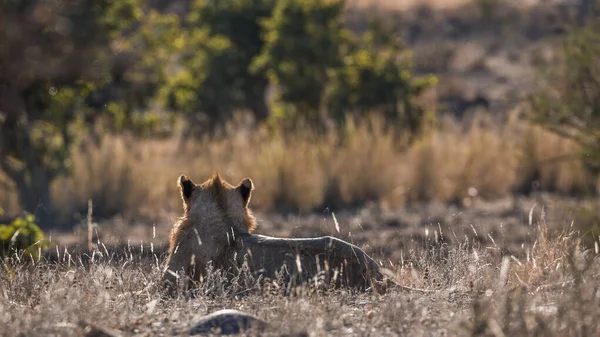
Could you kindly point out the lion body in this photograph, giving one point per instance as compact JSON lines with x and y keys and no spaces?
{"x":327,"y":260}
{"x":216,"y":228}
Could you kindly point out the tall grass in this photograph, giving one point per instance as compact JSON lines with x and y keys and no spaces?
{"x":302,"y":170}
{"x":468,"y":288}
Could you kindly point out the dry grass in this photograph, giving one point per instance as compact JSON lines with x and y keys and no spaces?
{"x":305,"y":171}
{"x":472,"y":288}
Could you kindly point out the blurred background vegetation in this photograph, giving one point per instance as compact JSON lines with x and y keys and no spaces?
{"x":323,"y":104}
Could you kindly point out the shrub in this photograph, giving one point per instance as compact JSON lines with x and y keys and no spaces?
{"x":377,"y":75}
{"x":303,"y":40}
{"x":212,"y":78}
{"x":22,"y":236}
{"x":322,"y":70}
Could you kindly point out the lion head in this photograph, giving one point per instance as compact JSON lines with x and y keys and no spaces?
{"x":214,"y":213}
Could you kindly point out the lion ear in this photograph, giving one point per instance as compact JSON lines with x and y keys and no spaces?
{"x":186,"y":186}
{"x":245,"y":188}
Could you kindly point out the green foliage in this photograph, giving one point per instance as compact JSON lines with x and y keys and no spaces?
{"x":200,"y":90}
{"x":322,"y":71}
{"x":22,"y":236}
{"x":376,"y":75}
{"x":76,"y":63}
{"x":221,"y":39}
{"x":304,"y":39}
{"x":84,"y":64}
{"x":568,"y":104}
{"x":139,"y":68}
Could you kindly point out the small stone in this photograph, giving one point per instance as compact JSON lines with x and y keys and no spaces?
{"x":227,"y":322}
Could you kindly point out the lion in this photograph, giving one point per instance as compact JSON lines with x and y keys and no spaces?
{"x":216,"y":228}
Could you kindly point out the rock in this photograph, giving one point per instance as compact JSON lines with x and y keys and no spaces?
{"x":227,"y":322}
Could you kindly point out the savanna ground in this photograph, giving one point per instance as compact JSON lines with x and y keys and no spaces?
{"x":459,"y":215}
{"x":464,"y":283}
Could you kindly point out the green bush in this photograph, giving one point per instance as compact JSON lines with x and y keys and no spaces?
{"x":23,"y":236}
{"x":303,"y":40}
{"x":213,"y":79}
{"x":376,"y":75}
{"x":322,"y":70}
{"x":202,"y":89}
{"x":94,"y":61}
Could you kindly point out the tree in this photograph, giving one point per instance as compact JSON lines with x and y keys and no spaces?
{"x":376,"y":75}
{"x":567,"y":102}
{"x":140,"y":59}
{"x":203,"y":88}
{"x":54,"y":56}
{"x":240,"y":22}
{"x":222,"y":38}
{"x":303,"y":41}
